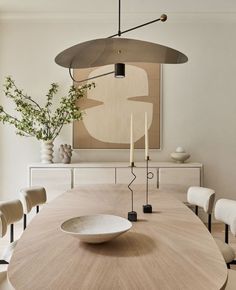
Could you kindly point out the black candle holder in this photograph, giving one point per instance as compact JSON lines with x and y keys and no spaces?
{"x":132,"y":215}
{"x":147,"y":208}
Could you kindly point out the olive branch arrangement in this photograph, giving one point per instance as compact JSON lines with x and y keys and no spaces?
{"x":42,"y":122}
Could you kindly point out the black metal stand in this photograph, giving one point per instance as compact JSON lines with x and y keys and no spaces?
{"x":147,"y":208}
{"x":132,"y":215}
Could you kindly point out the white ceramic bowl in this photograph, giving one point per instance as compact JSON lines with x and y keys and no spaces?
{"x":98,"y":228}
{"x":179,"y":157}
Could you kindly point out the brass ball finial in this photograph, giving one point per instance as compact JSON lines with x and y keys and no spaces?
{"x":163,"y":17}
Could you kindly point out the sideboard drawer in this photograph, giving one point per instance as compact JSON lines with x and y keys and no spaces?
{"x":94,"y":176}
{"x":55,"y":180}
{"x":178,"y":180}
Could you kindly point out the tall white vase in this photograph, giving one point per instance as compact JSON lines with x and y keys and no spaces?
{"x":47,"y":151}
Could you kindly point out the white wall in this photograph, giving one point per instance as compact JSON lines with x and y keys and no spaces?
{"x":199,"y":98}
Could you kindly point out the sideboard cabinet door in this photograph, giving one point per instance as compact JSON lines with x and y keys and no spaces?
{"x":94,"y":176}
{"x":178,"y":180}
{"x":55,"y":180}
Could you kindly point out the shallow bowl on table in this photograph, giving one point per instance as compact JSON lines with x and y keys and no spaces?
{"x":97,"y":228}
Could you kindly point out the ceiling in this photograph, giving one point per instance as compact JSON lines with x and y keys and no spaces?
{"x":110,"y":6}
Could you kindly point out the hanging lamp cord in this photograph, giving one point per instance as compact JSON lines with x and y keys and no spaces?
{"x":119,"y":31}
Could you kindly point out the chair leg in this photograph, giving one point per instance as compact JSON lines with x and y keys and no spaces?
{"x":233,"y":262}
{"x":209,"y":223}
{"x":196,"y":210}
{"x":226,"y":234}
{"x":3,"y":262}
{"x":25,"y":221}
{"x":37,"y":209}
{"x":12,"y":233}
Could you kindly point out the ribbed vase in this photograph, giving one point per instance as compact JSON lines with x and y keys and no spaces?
{"x":47,"y":151}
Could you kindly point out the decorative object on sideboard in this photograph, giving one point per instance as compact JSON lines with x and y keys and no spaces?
{"x":65,"y":152}
{"x":117,"y":51}
{"x":42,"y":122}
{"x":132,"y":215}
{"x":147,"y":208}
{"x":179,"y":155}
{"x":47,"y":151}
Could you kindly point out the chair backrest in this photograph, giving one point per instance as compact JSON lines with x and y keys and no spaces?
{"x":225,"y":211}
{"x":32,"y":196}
{"x":10,"y":212}
{"x":202,"y":197}
{"x":3,"y":225}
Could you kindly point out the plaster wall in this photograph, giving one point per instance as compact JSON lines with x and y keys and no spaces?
{"x":199,"y":103}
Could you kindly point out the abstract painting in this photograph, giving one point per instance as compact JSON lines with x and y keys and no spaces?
{"x":108,"y":107}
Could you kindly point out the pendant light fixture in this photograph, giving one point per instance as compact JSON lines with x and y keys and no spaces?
{"x":118,"y":51}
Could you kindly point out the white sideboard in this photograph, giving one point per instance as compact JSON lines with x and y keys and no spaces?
{"x":168,"y":176}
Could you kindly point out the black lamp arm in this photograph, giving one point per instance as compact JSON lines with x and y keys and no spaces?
{"x":80,"y":81}
{"x":163,"y":18}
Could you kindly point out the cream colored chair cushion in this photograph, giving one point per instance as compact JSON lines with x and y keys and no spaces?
{"x":226,"y":250}
{"x":231,"y":282}
{"x":12,"y":211}
{"x":4,"y":283}
{"x":202,"y":197}
{"x":32,"y":196}
{"x":225,"y":211}
{"x":3,"y":225}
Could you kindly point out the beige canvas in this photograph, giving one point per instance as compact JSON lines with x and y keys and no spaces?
{"x":108,"y":107}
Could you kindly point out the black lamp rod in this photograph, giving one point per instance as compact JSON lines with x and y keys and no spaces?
{"x":98,"y":76}
{"x":136,"y":27}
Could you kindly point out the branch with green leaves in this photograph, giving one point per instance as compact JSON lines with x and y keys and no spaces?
{"x":34,"y":120}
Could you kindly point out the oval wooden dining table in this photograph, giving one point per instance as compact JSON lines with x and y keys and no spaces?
{"x":168,"y":249}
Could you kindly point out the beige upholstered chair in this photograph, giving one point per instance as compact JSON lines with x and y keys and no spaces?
{"x":10,"y":212}
{"x":202,"y":197}
{"x":31,"y":197}
{"x":225,"y":211}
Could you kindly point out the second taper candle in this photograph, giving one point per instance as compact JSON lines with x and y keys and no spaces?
{"x":131,"y":140}
{"x":146,"y":136}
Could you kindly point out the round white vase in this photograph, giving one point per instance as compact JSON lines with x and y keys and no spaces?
{"x":47,"y":151}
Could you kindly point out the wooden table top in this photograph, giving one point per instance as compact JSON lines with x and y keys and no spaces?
{"x":168,"y":249}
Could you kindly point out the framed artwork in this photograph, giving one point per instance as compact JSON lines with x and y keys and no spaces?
{"x":108,"y":107}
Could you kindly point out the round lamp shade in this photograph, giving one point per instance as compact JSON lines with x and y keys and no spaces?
{"x":104,"y":51}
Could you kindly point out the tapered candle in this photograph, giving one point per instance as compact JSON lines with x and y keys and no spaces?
{"x":131,"y":141}
{"x":146,"y":136}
